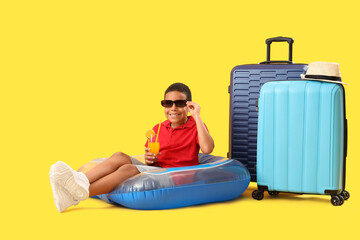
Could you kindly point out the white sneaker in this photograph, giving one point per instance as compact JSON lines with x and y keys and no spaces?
{"x":76,"y":183}
{"x":62,"y":198}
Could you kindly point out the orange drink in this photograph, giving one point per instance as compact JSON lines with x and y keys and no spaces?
{"x":153,"y":143}
{"x":154,"y":147}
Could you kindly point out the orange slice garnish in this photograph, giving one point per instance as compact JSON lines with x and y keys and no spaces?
{"x":150,"y":133}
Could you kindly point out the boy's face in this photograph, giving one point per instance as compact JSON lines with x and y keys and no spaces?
{"x":176,"y":115}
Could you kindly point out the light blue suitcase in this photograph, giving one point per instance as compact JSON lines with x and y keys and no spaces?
{"x":302,"y":139}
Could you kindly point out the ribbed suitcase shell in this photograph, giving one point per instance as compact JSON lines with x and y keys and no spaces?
{"x":244,"y":89}
{"x":301,"y":137}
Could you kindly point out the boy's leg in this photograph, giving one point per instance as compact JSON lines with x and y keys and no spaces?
{"x":104,"y":177}
{"x":110,"y":181}
{"x":107,"y":167}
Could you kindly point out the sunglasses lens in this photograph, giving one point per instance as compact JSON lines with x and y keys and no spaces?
{"x":166,"y":103}
{"x":180,"y":103}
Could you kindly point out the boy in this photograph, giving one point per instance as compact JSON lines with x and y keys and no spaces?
{"x":181,"y":137}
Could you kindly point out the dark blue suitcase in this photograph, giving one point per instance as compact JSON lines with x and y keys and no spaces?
{"x":244,"y":89}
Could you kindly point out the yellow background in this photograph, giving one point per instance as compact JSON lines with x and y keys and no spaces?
{"x":83,"y":79}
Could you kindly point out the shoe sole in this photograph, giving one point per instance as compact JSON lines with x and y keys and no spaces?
{"x":63,"y":199}
{"x":54,"y":190}
{"x":65,"y":177}
{"x":60,"y":195}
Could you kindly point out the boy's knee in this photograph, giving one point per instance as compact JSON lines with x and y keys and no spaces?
{"x":119,"y":154}
{"x":131,"y":168}
{"x":118,"y":159}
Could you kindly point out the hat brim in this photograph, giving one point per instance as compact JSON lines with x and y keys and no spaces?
{"x":320,"y":80}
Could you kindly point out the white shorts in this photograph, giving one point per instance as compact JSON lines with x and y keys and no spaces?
{"x":142,"y":167}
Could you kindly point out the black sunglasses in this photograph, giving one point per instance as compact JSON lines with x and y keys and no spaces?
{"x":169,"y":103}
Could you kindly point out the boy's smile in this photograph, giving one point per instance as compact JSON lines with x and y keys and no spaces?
{"x":176,"y":115}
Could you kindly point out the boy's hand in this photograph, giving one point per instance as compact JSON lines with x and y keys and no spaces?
{"x":194,"y":108}
{"x":150,"y":158}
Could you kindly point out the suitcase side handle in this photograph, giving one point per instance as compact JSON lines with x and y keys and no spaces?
{"x":268,"y":41}
{"x":345,"y":138}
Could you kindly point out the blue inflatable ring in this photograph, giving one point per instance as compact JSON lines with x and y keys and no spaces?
{"x":215,"y":179}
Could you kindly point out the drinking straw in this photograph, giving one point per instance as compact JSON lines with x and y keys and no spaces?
{"x":158,"y":131}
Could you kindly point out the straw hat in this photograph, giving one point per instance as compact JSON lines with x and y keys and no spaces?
{"x":323,"y":71}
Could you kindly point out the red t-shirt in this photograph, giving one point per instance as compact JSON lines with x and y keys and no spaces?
{"x":179,"y":147}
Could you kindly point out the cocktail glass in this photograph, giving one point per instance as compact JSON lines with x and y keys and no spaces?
{"x":154,"y":145}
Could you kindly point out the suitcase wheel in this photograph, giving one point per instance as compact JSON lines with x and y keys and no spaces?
{"x":345,"y":194}
{"x":337,"y":200}
{"x":257,"y":194}
{"x":342,"y":200}
{"x":273,"y":193}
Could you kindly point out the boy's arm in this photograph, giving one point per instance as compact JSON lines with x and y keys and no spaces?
{"x":205,"y":140}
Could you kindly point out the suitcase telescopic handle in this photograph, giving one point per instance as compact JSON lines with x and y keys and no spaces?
{"x":290,"y":41}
